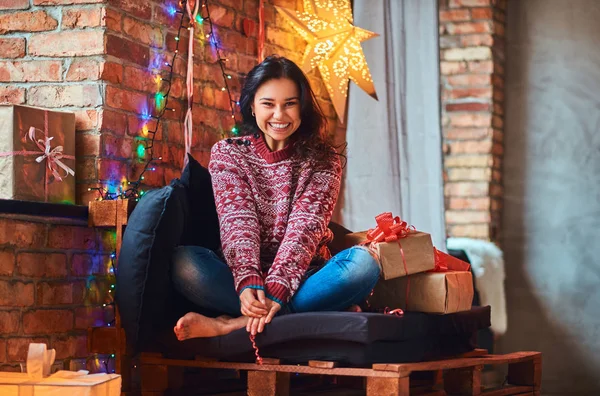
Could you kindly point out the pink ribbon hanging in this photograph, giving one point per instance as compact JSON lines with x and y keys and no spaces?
{"x":189,"y":82}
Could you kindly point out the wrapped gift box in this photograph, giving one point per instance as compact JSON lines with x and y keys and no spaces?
{"x":418,"y":253}
{"x":433,"y":292}
{"x":63,"y":383}
{"x":37,"y":164}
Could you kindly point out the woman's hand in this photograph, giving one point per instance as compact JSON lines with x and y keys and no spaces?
{"x":253,"y":303}
{"x":257,"y":325}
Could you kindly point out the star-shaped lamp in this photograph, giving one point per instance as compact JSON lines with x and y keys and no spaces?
{"x":333,"y":45}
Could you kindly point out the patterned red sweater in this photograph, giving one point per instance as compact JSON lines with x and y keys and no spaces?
{"x":273,"y":212}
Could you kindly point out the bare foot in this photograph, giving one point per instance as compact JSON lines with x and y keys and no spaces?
{"x":194,"y":325}
{"x":354,"y":308}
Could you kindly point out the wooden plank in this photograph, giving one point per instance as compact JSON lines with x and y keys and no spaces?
{"x":105,"y":213}
{"x":388,"y":386}
{"x":509,"y":391}
{"x":406,"y":368}
{"x":321,"y":364}
{"x":154,"y":378}
{"x":526,"y":373}
{"x":463,"y":381}
{"x":268,"y":383}
{"x":356,"y":372}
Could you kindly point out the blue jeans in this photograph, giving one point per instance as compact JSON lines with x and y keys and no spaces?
{"x":344,"y":280}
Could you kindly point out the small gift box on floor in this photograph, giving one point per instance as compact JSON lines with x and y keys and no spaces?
{"x":64,"y":383}
{"x":37,"y":154}
{"x":447,"y":289}
{"x":401,"y":249}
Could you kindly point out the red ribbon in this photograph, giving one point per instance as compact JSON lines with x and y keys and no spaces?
{"x":445,"y":262}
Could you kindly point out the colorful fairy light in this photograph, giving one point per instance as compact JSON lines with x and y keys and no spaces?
{"x":149,"y":129}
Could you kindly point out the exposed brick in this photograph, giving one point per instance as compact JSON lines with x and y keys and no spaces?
{"x":471,"y":147}
{"x":65,"y":95}
{"x":468,"y":54}
{"x":116,"y":147}
{"x":16,"y":294}
{"x":476,"y":40}
{"x":17,"y":348}
{"x":12,"y":95}
{"x":467,"y":133}
{"x":470,"y":119}
{"x":2,"y":351}
{"x":84,"y":69}
{"x":481,"y":67}
{"x":482,"y":13}
{"x":140,"y":9}
{"x":463,"y":93}
{"x":47,"y":321}
{"x":85,"y":120}
{"x":181,"y":46}
{"x":126,"y":100}
{"x":468,"y":3}
{"x":448,"y":68}
{"x":86,"y":169}
{"x":468,"y":160}
{"x":26,"y":21}
{"x":144,"y":32}
{"x":7,"y":262}
{"x":12,"y":47}
{"x":469,"y":174}
{"x":466,"y":189}
{"x":22,"y":234}
{"x":108,"y":241}
{"x":455,"y":15}
{"x":81,"y":17}
{"x":222,"y":16}
{"x":30,"y":71}
{"x":42,"y":265}
{"x":113,"y":20}
{"x":65,"y":2}
{"x":477,"y":231}
{"x":113,"y":121}
{"x":111,"y":169}
{"x":71,"y":237}
{"x":9,"y":322}
{"x":89,"y":264}
{"x":68,"y":43}
{"x":91,"y":317}
{"x":141,"y":80}
{"x":468,"y":106}
{"x":467,"y":216}
{"x":139,"y":127}
{"x":60,"y":293}
{"x":127,"y":50}
{"x":470,"y":80}
{"x":470,"y":27}
{"x":14,"y":5}
{"x":469,"y":203}
{"x":87,"y":144}
{"x":112,"y":72}
{"x":70,"y":347}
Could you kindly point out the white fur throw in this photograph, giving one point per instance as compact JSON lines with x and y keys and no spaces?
{"x":487,"y":265}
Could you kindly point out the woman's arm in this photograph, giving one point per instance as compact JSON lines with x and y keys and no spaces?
{"x":306,"y":226}
{"x":238,"y":220}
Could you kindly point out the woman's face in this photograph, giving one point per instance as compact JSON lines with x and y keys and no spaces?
{"x":277,"y":110}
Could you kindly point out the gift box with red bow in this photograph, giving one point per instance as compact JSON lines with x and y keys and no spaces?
{"x":400,"y":248}
{"x":37,"y":154}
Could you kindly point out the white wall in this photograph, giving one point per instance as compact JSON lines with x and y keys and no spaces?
{"x":551,"y":230}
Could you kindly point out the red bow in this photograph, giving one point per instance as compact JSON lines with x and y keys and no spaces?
{"x":388,"y":229}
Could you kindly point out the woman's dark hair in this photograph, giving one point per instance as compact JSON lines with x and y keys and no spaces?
{"x":310,"y":139}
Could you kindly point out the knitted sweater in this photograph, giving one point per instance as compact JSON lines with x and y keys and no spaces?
{"x":273,"y":213}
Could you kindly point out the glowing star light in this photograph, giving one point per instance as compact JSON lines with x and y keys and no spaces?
{"x":333,"y":46}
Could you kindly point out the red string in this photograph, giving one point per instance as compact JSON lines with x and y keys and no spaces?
{"x":259,"y":359}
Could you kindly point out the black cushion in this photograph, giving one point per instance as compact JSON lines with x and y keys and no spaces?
{"x":144,"y":293}
{"x":355,"y":339}
{"x":203,"y":229}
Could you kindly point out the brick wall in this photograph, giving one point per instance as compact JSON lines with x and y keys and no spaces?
{"x":472,"y":89}
{"x":100,"y":59}
{"x":54,"y":278}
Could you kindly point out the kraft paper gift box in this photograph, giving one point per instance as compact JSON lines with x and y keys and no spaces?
{"x":63,"y":383}
{"x":37,"y":154}
{"x":418,"y":253}
{"x":432,"y":292}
